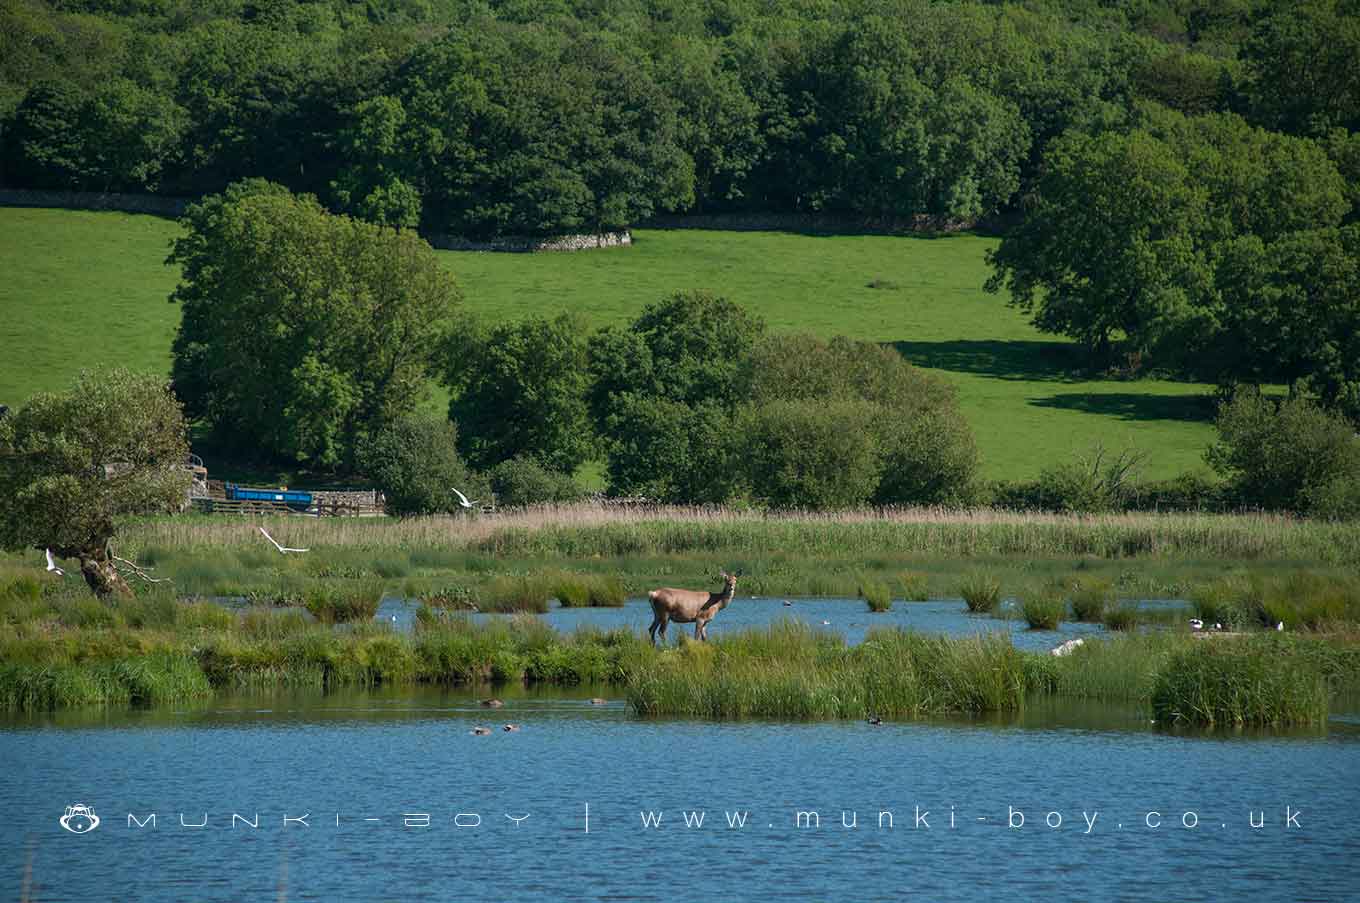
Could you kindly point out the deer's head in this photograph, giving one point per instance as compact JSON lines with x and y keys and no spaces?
{"x":730,"y":579}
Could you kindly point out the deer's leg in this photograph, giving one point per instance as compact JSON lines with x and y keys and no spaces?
{"x":656,"y":622}
{"x":665,"y":621}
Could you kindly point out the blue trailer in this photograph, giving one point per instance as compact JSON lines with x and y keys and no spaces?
{"x":300,"y":501}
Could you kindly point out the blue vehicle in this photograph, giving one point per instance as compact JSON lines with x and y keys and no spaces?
{"x":300,"y":501}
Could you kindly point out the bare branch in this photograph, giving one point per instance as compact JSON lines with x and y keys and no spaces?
{"x":139,"y":571}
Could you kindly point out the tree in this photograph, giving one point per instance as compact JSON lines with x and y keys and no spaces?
{"x":1109,"y":245}
{"x":690,"y":348}
{"x":1300,"y":60}
{"x":414,"y":461}
{"x":302,"y":331}
{"x":520,"y":389}
{"x":74,"y":464}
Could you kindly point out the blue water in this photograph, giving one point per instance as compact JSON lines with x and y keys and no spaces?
{"x":381,"y":755}
{"x":849,"y":617}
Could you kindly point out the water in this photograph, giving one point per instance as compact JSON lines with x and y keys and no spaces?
{"x":849,"y":617}
{"x":384,"y":754}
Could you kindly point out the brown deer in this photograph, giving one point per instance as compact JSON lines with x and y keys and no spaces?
{"x":686,"y":606}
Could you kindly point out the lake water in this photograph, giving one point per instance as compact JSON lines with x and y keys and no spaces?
{"x":850,"y":617}
{"x":398,"y":756}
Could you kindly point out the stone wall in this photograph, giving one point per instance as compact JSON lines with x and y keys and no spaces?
{"x":94,"y":200}
{"x":175,"y":207}
{"x":804,"y":222}
{"x":524,"y":244}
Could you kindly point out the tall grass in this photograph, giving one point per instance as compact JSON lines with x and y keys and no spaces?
{"x":1089,"y":598}
{"x":915,"y":586}
{"x":1043,"y":607}
{"x":585,"y":530}
{"x":876,"y":595}
{"x":981,"y":592}
{"x":1234,"y":682}
{"x":788,"y":671}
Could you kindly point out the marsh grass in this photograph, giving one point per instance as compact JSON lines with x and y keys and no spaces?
{"x":1122,"y":616}
{"x":1235,"y":682}
{"x":876,"y":595}
{"x":1089,"y":597}
{"x":1043,"y":607}
{"x":339,"y":602}
{"x":981,"y":592}
{"x":792,"y":672}
{"x":915,"y":586}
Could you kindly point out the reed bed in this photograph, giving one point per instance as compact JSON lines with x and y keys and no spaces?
{"x":1089,"y":597}
{"x":788,"y":671}
{"x":915,"y":586}
{"x":1256,"y":681}
{"x":585,"y":530}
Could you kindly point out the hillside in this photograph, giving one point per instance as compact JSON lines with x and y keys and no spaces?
{"x":83,"y":288}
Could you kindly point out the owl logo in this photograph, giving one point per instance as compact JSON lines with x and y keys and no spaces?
{"x":79,"y":819}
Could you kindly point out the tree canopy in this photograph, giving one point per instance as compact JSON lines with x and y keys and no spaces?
{"x":302,"y":331}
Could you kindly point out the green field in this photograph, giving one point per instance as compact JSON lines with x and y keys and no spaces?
{"x":82,"y":288}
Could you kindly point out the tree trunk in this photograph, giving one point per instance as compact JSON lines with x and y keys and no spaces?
{"x":102,"y":577}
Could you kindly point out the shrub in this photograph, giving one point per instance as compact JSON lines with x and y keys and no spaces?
{"x":876,"y":594}
{"x":1093,"y":482}
{"x":811,"y":454}
{"x":1043,"y":607}
{"x":524,"y":481}
{"x":414,"y":461}
{"x":981,"y":592}
{"x":1292,"y":455}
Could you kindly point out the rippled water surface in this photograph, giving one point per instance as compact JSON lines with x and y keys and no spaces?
{"x":384,"y":755}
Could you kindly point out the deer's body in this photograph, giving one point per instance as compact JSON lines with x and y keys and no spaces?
{"x":688,"y":606}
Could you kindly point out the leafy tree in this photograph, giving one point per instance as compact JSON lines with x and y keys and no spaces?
{"x":674,"y":452}
{"x":1109,"y":246}
{"x":302,"y":331}
{"x":74,"y":464}
{"x":1300,"y":59}
{"x":414,"y":461}
{"x":689,"y":348}
{"x":1290,"y":456}
{"x":520,"y":389}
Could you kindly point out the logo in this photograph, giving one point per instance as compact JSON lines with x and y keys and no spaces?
{"x":79,"y":819}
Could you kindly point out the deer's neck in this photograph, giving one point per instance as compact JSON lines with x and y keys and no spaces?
{"x":720,"y":600}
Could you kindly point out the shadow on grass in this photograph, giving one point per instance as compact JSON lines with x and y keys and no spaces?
{"x":1030,"y":361}
{"x":1129,"y":406}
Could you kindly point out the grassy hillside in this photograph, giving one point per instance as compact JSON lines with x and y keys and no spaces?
{"x":83,"y":287}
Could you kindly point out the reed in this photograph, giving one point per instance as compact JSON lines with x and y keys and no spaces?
{"x":981,"y":592}
{"x":1043,"y":607}
{"x":1121,"y":617}
{"x":1236,"y":682}
{"x":1089,"y":597}
{"x":915,"y":586}
{"x":335,"y":603}
{"x":876,"y":595}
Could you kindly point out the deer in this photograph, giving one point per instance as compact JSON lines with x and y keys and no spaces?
{"x":686,"y":606}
